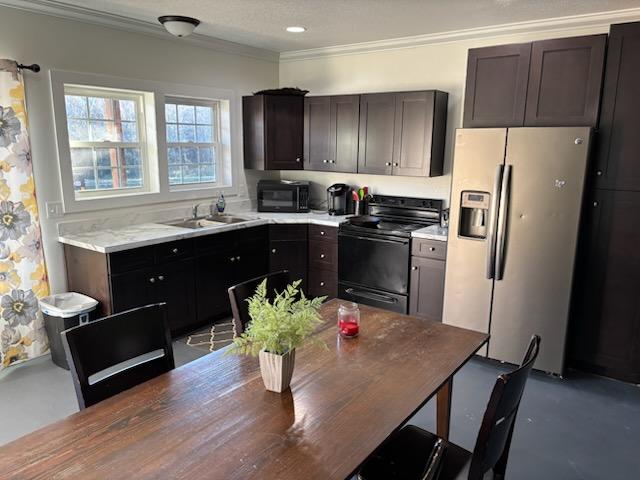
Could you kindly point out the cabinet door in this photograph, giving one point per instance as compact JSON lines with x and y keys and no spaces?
{"x":496,"y":86}
{"x":427,"y":288}
{"x":618,"y":143}
{"x":375,"y":144}
{"x":289,"y":255}
{"x":606,"y":325}
{"x":175,"y":285}
{"x":317,"y":133}
{"x":253,"y":259}
{"x":284,"y":119}
{"x":345,"y":119}
{"x":413,"y":133}
{"x":215,"y":273}
{"x":564,"y":82}
{"x":133,"y":289}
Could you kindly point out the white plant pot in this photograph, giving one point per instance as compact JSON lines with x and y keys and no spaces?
{"x":277,"y":370}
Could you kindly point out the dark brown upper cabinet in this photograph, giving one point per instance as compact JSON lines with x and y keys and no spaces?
{"x":272,"y":131}
{"x":377,"y":121}
{"x":331,"y":133}
{"x":496,"y":90}
{"x":565,"y":78}
{"x":546,"y":83}
{"x":617,"y":164}
{"x":419,"y":137}
{"x":402,"y":133}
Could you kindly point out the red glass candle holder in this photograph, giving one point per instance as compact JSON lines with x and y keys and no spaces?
{"x":349,"y":320}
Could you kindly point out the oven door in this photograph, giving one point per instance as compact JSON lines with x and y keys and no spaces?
{"x":377,"y":261}
{"x":281,"y":199}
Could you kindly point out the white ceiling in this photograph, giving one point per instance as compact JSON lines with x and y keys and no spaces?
{"x":261,"y":23}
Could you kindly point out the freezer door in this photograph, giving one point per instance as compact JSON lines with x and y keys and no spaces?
{"x":542,"y":215}
{"x":477,"y":165}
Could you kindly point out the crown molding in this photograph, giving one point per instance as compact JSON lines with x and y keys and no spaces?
{"x":87,"y":15}
{"x":574,"y":22}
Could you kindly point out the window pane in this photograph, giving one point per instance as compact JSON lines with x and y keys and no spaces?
{"x":106,"y":177}
{"x":127,"y":110}
{"x":172,"y":133}
{"x":174,"y":155}
{"x":76,"y":106}
{"x":187,"y":133}
{"x":132,"y":177}
{"x":204,"y":134}
{"x":81,"y":157}
{"x":78,"y":130}
{"x":106,"y":157}
{"x":190,"y":155}
{"x":204,"y":115}
{"x":170,"y":113}
{"x":129,"y":132}
{"x":207,"y":173}
{"x":190,"y":174}
{"x":186,"y":114}
{"x":103,"y":130}
{"x":84,"y":179}
{"x":175,"y":174}
{"x":206,"y":155}
{"x":101,"y":108}
{"x":132,"y":157}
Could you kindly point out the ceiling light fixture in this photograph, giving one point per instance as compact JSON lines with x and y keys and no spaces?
{"x":178,"y":25}
{"x":296,"y":29}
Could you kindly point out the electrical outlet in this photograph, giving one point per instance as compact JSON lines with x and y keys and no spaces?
{"x":54,"y":209}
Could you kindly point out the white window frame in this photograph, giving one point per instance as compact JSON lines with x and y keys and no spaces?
{"x":155,"y":94}
{"x":138,"y":98}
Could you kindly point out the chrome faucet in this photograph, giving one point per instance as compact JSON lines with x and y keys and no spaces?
{"x":194,"y":211}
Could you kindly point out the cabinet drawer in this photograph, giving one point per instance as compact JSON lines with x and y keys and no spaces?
{"x":129,"y":260}
{"x":323,"y":255}
{"x":323,"y":233}
{"x":287,"y":232}
{"x":174,"y":250}
{"x":422,"y":247}
{"x":322,"y":282}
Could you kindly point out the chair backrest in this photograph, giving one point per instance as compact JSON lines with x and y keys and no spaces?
{"x":239,"y":293}
{"x":494,"y":438}
{"x":118,"y":352}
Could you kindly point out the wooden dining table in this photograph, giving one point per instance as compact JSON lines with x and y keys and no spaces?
{"x":213,"y":419}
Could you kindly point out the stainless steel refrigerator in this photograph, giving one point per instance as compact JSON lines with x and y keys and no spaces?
{"x":515,"y":210}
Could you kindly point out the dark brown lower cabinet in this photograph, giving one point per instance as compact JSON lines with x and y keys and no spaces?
{"x":606,"y":314}
{"x":426,"y":285}
{"x":288,"y":250}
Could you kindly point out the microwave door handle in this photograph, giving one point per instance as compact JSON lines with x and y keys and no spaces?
{"x":503,"y":213}
{"x":493,"y":222}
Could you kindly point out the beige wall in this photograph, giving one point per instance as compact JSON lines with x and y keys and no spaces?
{"x":69,"y":45}
{"x":439,"y":66}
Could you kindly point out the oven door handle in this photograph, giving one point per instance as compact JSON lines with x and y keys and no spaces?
{"x":371,"y":296}
{"x":376,"y":239}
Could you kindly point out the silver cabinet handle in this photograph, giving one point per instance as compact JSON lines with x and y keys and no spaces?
{"x":238,"y":258}
{"x":414,"y":268}
{"x":388,"y":164}
{"x":175,"y":250}
{"x":322,"y":284}
{"x":322,"y":255}
{"x":161,"y":277}
{"x":233,"y":259}
{"x":396,"y":164}
{"x":152,"y":280}
{"x":502,"y":222}
{"x":325,"y":161}
{"x":322,"y":232}
{"x":273,"y":250}
{"x":595,"y":204}
{"x":332,"y":161}
{"x":599,"y":173}
{"x":432,"y":249}
{"x":493,"y":222}
{"x":298,"y":159}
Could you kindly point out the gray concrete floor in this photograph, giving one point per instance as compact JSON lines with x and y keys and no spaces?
{"x":580,"y":427}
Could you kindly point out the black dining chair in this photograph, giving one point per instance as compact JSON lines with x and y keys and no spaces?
{"x":118,"y":352}
{"x":238,"y":294}
{"x":416,"y":454}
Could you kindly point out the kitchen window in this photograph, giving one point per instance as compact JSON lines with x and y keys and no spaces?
{"x":106,"y":141}
{"x":193,"y":141}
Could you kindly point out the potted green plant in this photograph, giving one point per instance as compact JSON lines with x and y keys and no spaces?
{"x":277,"y":328}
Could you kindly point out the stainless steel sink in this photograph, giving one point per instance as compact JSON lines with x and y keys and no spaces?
{"x":205,"y":222}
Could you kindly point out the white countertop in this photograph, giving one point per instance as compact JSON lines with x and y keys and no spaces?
{"x":124,"y":238}
{"x":432,"y":232}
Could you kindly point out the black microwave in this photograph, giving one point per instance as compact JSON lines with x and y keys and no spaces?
{"x":283,"y":196}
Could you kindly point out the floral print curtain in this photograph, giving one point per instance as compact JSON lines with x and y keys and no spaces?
{"x":23,"y":275}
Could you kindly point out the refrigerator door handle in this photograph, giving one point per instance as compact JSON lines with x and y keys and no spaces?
{"x":493,"y":221}
{"x":503,"y":210}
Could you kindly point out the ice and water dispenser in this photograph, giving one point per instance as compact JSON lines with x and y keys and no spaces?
{"x":474,"y":214}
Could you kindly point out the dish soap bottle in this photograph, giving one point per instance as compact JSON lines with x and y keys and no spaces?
{"x":221,"y":203}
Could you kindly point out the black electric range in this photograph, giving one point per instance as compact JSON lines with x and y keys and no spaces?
{"x":374,"y":261}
